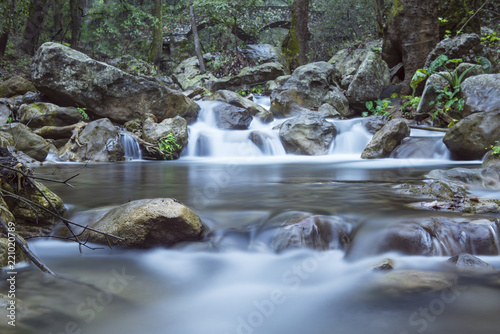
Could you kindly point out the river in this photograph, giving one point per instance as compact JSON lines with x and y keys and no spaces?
{"x":234,"y":281}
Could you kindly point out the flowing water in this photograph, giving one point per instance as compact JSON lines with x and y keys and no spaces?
{"x":234,"y":282}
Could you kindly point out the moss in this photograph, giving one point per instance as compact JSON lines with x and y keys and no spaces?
{"x":397,"y":7}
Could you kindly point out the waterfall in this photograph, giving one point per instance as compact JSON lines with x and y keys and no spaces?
{"x":130,"y":146}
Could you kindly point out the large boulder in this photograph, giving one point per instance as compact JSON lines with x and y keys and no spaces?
{"x":310,"y":86}
{"x":41,"y":114}
{"x":189,"y":76}
{"x":237,"y":100}
{"x":16,"y":85}
{"x":69,"y":77}
{"x":386,"y":140}
{"x":248,"y":76}
{"x":481,"y":93}
{"x":312,"y":231}
{"x":98,"y":141}
{"x":26,"y":141}
{"x":307,"y":134}
{"x":440,"y":236}
{"x":148,"y":223}
{"x":258,"y":54}
{"x":369,"y":81}
{"x":231,"y":117}
{"x":472,"y":136}
{"x":464,"y":46}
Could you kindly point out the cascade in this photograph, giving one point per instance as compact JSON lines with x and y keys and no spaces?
{"x":261,"y":139}
{"x":130,"y":146}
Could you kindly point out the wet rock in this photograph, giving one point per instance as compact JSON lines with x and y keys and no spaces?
{"x":231,"y":117}
{"x":481,"y":93}
{"x":374,"y":123}
{"x":236,"y":100}
{"x":27,"y":141}
{"x":440,"y":236}
{"x":277,"y":83}
{"x":312,"y":231}
{"x":310,"y":86}
{"x":470,"y":138}
{"x":470,"y":264}
{"x":491,"y":160}
{"x":369,"y":81}
{"x":148,"y":223}
{"x":468,"y":177}
{"x":386,"y":140}
{"x":69,"y":77}
{"x":307,"y":134}
{"x":418,"y":148}
{"x":98,"y":141}
{"x":16,"y":85}
{"x":400,"y":283}
{"x":41,"y":114}
{"x":260,"y":138}
{"x":20,"y":256}
{"x":429,"y":95}
{"x":327,"y":110}
{"x":384,"y":265}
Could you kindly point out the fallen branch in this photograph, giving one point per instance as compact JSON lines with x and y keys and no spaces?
{"x":428,"y":128}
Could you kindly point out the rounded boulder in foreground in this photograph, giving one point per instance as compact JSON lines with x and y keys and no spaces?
{"x":148,"y":223}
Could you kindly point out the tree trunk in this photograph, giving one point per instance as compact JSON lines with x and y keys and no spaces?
{"x":33,"y":27}
{"x":379,"y":7}
{"x":412,"y":33}
{"x":197,"y":45}
{"x":157,"y":44}
{"x":7,"y":25}
{"x":75,"y":9}
{"x":295,"y":44}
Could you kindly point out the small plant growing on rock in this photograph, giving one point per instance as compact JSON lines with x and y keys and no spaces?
{"x":379,"y":108}
{"x":83,"y":112}
{"x":168,"y":145}
{"x":495,"y":149}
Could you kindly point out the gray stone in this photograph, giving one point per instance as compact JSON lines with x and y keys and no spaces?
{"x":69,"y":77}
{"x":386,"y":140}
{"x":27,"y":141}
{"x":98,"y":141}
{"x":481,"y":93}
{"x":465,"y":46}
{"x":16,"y":85}
{"x":470,"y":264}
{"x":148,"y":223}
{"x":471,"y":137}
{"x":153,"y":132}
{"x":369,"y":81}
{"x":232,"y":117}
{"x":236,"y":100}
{"x":41,"y":114}
{"x":307,"y":134}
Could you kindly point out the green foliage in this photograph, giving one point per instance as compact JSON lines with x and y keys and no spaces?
{"x":490,"y":40}
{"x":9,"y":120}
{"x":253,"y":90}
{"x":411,"y":102}
{"x":447,"y":100}
{"x":379,"y":108}
{"x":83,"y":112}
{"x":495,"y":149}
{"x":421,"y":74}
{"x":168,"y":145}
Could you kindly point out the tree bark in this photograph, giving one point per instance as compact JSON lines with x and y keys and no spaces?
{"x":295,"y":45}
{"x":7,"y":25}
{"x":197,"y":45}
{"x":76,"y":9}
{"x":155,"y":53}
{"x":412,"y":33}
{"x":379,"y":7}
{"x":33,"y":27}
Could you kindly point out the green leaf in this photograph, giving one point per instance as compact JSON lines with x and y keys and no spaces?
{"x":369,"y":105}
{"x":485,"y":64}
{"x":437,"y":63}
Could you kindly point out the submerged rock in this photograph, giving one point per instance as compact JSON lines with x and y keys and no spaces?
{"x":440,"y":236}
{"x":316,"y":232}
{"x":470,"y":264}
{"x":307,"y":134}
{"x":401,"y":283}
{"x":148,"y":223}
{"x":69,"y":77}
